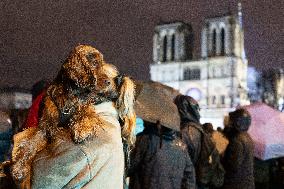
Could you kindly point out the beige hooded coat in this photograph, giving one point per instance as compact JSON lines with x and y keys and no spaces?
{"x":97,"y":163}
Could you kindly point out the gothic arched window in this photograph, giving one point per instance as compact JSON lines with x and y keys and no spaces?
{"x":195,"y":74}
{"x":191,"y":74}
{"x":186,"y":74}
{"x":173,"y":47}
{"x":165,"y":44}
{"x":213,"y":99}
{"x":222,"y":42}
{"x":214,"y":38}
{"x":222,"y":99}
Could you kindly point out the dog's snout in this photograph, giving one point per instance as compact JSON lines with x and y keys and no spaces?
{"x":118,"y":79}
{"x":107,"y":82}
{"x":94,"y":80}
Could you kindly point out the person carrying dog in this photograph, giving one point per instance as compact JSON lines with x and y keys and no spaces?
{"x":87,"y":114}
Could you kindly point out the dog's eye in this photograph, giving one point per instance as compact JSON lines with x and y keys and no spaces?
{"x":95,"y":63}
{"x":90,"y":57}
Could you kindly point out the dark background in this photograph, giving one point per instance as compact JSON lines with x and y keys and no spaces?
{"x":37,"y":35}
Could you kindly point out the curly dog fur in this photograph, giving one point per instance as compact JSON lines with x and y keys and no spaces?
{"x":84,"y":79}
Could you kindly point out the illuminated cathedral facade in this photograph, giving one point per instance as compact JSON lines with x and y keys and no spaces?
{"x":218,"y":79}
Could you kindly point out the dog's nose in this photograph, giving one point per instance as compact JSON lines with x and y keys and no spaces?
{"x":118,"y":79}
{"x":107,"y":82}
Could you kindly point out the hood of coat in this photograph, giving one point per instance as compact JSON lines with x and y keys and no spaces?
{"x":188,"y":109}
{"x":164,"y":132}
{"x":240,"y":120}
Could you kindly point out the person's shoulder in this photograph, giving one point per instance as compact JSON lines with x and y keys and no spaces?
{"x":244,"y":138}
{"x":140,"y":135}
{"x":195,"y":127}
{"x":145,"y":136}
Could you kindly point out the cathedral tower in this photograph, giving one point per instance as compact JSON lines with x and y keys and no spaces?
{"x":218,"y":78}
{"x":172,"y":42}
{"x":222,"y":36}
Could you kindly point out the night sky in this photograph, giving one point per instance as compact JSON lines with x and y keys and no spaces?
{"x":37,"y":35}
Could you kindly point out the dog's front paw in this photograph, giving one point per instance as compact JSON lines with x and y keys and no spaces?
{"x":85,"y":126}
{"x":79,"y":135}
{"x":20,"y":172}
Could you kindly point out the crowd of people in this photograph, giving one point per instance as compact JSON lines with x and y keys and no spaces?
{"x":102,"y":154}
{"x":186,"y":157}
{"x":164,"y":158}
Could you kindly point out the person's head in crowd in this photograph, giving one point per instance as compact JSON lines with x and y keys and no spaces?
{"x":208,"y":128}
{"x":188,"y":108}
{"x":238,"y":158}
{"x":38,"y":87}
{"x":239,"y":121}
{"x":219,"y":129}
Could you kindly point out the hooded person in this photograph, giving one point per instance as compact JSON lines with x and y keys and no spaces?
{"x":98,"y":160}
{"x":203,"y":151}
{"x":190,"y":119}
{"x":91,"y":164}
{"x":160,"y":158}
{"x":238,"y":158}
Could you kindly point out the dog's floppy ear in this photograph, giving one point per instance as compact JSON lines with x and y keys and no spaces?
{"x":125,"y":106}
{"x":80,"y":65}
{"x":72,"y":70}
{"x":96,"y":59}
{"x":69,"y":76}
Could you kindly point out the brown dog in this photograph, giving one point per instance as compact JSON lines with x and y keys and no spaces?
{"x":84,"y":80}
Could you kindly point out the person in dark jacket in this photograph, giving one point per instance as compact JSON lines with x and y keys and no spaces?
{"x":160,"y":160}
{"x":207,"y":174}
{"x":238,"y":158}
{"x":190,"y":119}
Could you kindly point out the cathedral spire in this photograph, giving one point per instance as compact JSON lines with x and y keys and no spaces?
{"x":240,"y":19}
{"x":240,"y":15}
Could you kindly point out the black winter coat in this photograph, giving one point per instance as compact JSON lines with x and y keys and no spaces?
{"x":160,"y":162}
{"x":191,"y":136}
{"x":189,"y":114}
{"x":238,"y":162}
